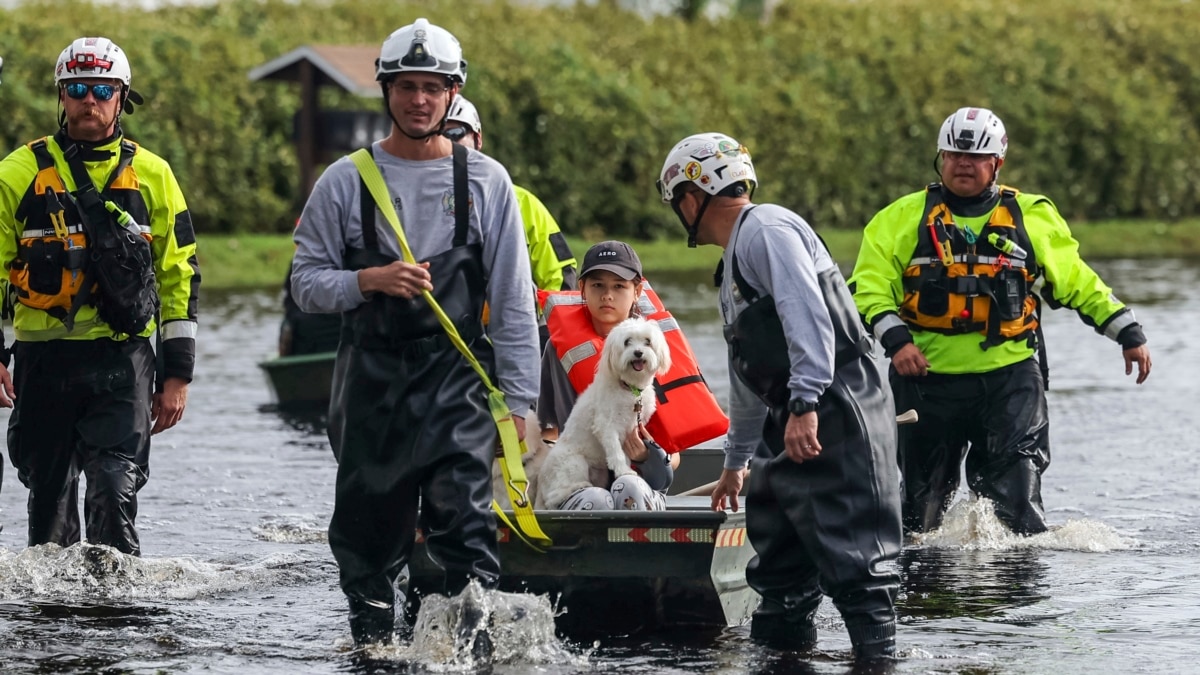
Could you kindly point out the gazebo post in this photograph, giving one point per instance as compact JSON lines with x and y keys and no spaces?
{"x":306,"y":141}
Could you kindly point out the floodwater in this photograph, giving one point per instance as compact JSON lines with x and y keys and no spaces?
{"x":236,"y":576}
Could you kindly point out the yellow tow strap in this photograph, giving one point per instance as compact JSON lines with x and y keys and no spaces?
{"x":517,"y":484}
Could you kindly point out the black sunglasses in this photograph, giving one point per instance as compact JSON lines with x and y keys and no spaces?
{"x":456,"y":134}
{"x":79,"y":90}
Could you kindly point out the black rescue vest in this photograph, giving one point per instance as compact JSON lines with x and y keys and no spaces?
{"x":959,"y":282}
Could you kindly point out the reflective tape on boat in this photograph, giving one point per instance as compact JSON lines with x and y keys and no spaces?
{"x":661,"y":535}
{"x":734,"y":536}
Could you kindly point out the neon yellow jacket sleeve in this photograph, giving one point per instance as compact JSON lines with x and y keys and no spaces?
{"x":1068,"y":280}
{"x":548,"y":251}
{"x":887,"y":246}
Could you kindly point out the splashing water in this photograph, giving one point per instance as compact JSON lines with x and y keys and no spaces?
{"x":449,"y":633}
{"x":86,"y":572}
{"x":971,"y":524}
{"x":291,"y":529}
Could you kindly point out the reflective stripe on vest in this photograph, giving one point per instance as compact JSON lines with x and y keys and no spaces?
{"x":687,"y":413}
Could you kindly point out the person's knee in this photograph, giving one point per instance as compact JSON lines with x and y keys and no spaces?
{"x":589,"y":499}
{"x":632,"y":493}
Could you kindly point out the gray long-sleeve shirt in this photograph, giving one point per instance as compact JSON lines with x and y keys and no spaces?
{"x":779,"y":255}
{"x":423,"y":194}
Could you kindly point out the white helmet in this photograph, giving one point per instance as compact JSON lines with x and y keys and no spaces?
{"x":92,"y":57}
{"x":464,"y":111}
{"x":421,"y":47}
{"x":712,"y":161}
{"x":975,"y":131}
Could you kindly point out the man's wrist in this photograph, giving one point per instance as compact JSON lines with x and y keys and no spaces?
{"x":799,"y":406}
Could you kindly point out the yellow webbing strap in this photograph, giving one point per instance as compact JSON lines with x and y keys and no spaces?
{"x":527,"y":528}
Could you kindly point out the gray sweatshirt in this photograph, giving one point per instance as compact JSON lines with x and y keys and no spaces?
{"x":423,"y":194}
{"x":779,"y":255}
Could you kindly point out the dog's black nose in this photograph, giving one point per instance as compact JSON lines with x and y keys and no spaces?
{"x":637,"y":354}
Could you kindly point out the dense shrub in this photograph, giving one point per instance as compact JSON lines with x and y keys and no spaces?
{"x":838,"y":100}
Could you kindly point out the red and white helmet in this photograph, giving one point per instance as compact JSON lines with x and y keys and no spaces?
{"x":421,"y":47}
{"x":464,"y":111}
{"x":711,"y":161}
{"x":92,"y":57}
{"x":975,"y":131}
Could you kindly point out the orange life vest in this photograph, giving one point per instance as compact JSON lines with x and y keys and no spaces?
{"x":687,"y":412}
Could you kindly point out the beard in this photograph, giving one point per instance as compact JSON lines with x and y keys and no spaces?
{"x":91,"y":123}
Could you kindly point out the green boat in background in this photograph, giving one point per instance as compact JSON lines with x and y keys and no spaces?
{"x":303,"y":380}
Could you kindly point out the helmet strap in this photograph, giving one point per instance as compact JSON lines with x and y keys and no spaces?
{"x":694,"y":225}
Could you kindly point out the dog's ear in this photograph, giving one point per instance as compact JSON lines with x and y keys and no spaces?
{"x":614,"y":351}
{"x":663,"y":350}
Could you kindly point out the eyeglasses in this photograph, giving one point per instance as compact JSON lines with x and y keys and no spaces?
{"x":79,"y":90}
{"x":456,"y":134}
{"x":411,"y":88}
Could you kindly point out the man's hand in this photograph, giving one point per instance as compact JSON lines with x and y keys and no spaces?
{"x":800,"y":438}
{"x":398,"y":279}
{"x":166,"y":408}
{"x":1141,"y":356}
{"x":910,"y":362}
{"x":7,"y":393}
{"x":728,"y":487}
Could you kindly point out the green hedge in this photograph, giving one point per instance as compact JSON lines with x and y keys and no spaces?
{"x":838,"y":101}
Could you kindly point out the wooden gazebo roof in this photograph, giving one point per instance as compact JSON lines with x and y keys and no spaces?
{"x":348,"y":67}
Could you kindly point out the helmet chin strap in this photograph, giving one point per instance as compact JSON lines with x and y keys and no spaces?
{"x":694,"y":225}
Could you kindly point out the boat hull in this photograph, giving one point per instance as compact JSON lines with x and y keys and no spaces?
{"x":302,"y":380}
{"x":626,"y":572}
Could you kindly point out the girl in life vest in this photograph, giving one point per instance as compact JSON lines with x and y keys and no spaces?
{"x":610,"y":284}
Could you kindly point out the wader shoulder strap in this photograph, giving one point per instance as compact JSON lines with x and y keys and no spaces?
{"x":511,"y":466}
{"x":462,"y":198}
{"x":748,"y":293}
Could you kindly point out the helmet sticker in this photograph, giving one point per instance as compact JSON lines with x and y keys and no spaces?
{"x":704,"y":152}
{"x":727,"y":146}
{"x":671,"y":173}
{"x":972,"y":113}
{"x":692,"y":170}
{"x":705,"y":180}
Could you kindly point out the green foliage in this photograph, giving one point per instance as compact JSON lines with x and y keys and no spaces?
{"x":839,"y":102}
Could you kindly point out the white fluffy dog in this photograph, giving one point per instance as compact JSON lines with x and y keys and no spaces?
{"x":606,"y":412}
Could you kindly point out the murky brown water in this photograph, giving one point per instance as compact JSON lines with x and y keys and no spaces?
{"x":237,"y":578}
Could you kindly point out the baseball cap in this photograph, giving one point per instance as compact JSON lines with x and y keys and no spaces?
{"x":612,"y":256}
